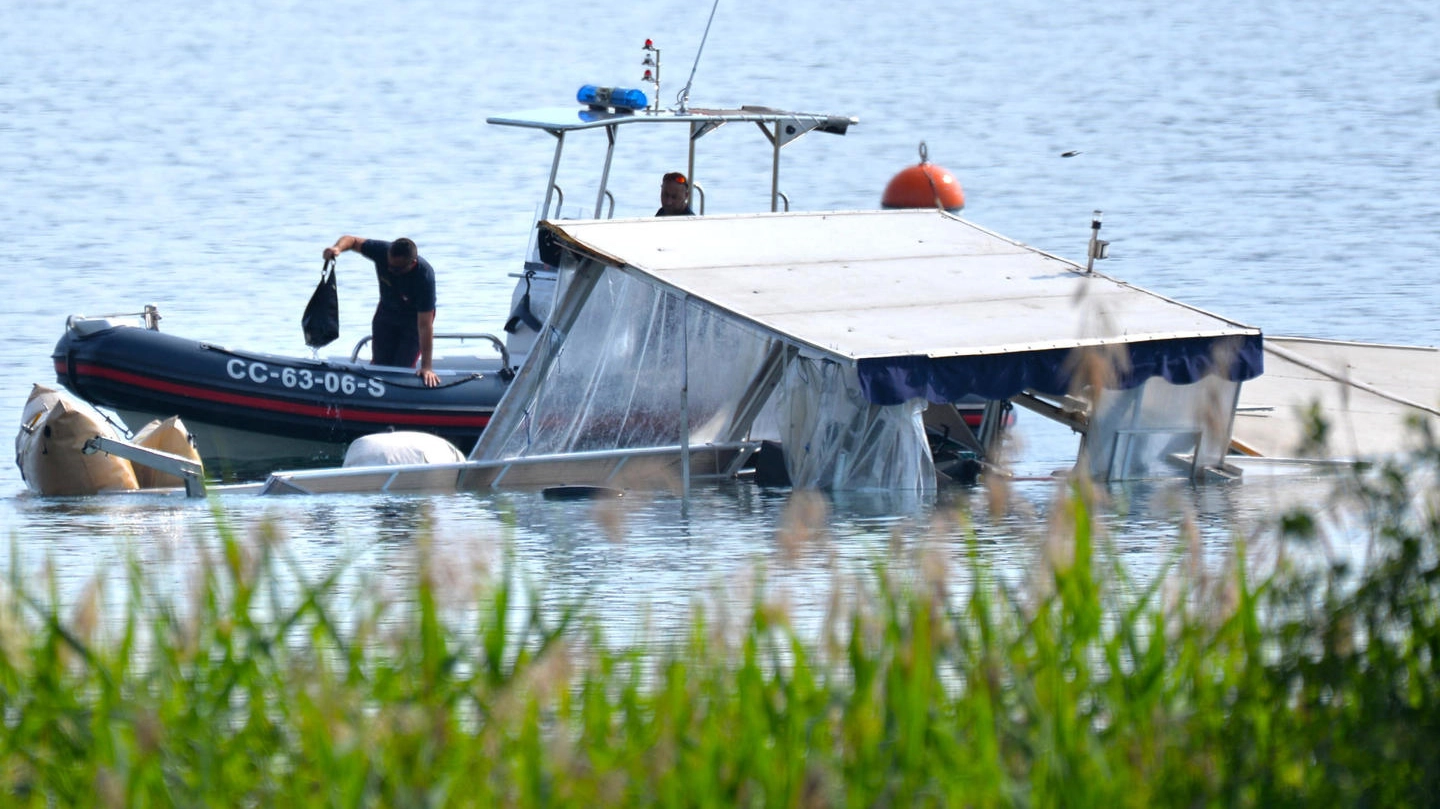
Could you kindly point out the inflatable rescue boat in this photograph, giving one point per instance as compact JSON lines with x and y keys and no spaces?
{"x":251,"y":413}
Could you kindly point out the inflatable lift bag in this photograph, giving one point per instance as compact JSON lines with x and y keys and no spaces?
{"x":321,"y":321}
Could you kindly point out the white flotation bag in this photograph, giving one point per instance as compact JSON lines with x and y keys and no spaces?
{"x":402,"y":447}
{"x":49,"y":448}
{"x":169,"y":436}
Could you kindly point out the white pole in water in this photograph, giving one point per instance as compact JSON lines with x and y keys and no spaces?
{"x":684,"y":98}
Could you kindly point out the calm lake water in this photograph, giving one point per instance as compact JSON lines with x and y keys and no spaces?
{"x":1275,"y":163}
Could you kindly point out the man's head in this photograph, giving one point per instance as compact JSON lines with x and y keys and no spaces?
{"x":403,"y":255}
{"x":674,"y":194}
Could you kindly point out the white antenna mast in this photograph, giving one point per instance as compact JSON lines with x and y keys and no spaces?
{"x":684,"y":97}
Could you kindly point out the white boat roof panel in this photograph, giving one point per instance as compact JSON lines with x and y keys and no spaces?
{"x":1365,"y":391}
{"x":869,"y":284}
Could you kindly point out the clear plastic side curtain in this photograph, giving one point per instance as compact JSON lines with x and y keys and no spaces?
{"x":835,"y":439}
{"x":1161,"y":430}
{"x":615,"y":381}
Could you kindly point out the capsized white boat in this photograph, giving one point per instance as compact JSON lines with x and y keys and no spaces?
{"x":1366,"y":393}
{"x":676,"y":345}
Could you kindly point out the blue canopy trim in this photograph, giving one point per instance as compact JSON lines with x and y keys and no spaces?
{"x":894,"y":380}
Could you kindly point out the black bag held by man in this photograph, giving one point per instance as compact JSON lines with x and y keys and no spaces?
{"x":321,"y":321}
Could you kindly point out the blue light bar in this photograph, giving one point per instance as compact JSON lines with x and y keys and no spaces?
{"x":620,"y":98}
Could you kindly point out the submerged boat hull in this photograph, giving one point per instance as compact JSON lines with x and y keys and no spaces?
{"x":251,"y":412}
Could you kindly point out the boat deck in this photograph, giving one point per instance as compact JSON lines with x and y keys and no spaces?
{"x":1365,"y":392}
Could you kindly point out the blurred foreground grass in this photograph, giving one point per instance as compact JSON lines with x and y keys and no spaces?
{"x":1314,"y":685}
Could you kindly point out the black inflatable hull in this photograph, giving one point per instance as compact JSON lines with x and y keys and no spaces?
{"x":303,"y":410}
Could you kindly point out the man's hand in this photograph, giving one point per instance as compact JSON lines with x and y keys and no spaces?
{"x":425,"y":327}
{"x":341,"y":244}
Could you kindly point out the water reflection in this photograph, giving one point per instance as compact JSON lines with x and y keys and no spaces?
{"x":401,"y":519}
{"x":643,"y":561}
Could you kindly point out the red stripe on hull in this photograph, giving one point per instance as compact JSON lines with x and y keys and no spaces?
{"x":328,"y":412}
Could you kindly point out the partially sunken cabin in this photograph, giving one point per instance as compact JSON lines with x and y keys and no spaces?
{"x":840,"y":336}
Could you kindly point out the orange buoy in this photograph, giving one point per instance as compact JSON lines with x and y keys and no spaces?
{"x":925,"y":185}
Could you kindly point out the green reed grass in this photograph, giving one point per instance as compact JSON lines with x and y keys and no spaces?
{"x":1082,"y":687}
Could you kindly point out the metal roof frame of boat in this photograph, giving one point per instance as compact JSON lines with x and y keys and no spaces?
{"x":780,"y":128}
{"x":924,"y":303}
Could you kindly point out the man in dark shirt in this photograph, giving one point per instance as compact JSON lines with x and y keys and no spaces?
{"x":674,"y":195}
{"x":404,"y":324}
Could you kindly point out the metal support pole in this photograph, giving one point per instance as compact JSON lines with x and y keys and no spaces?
{"x":695,"y":130}
{"x":775,"y":173}
{"x":184,"y":468}
{"x":685,"y":398}
{"x":992,"y":424}
{"x":554,"y":172}
{"x":605,"y":172}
